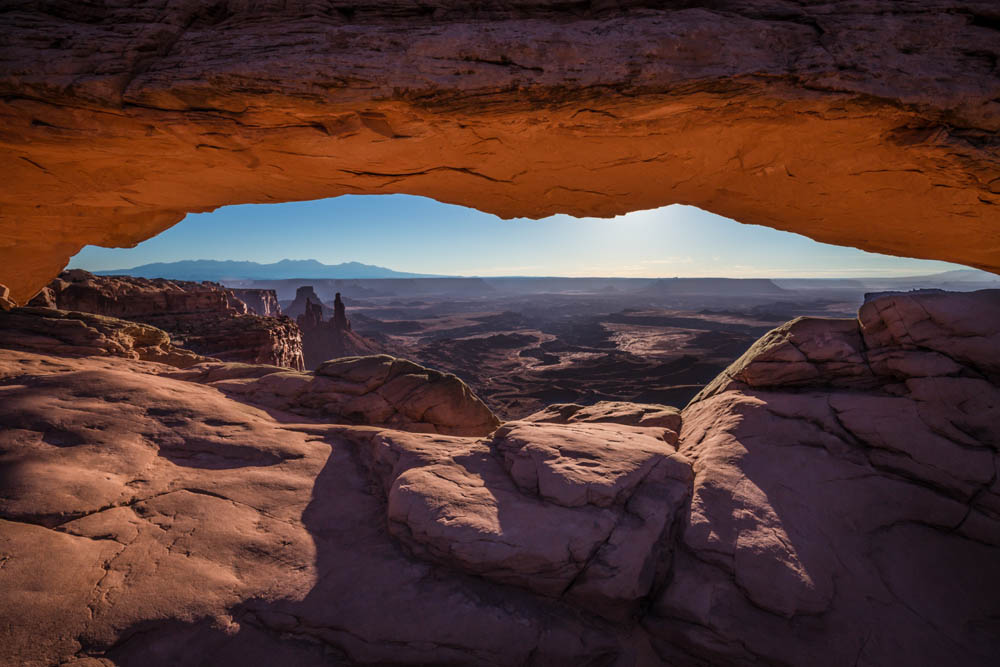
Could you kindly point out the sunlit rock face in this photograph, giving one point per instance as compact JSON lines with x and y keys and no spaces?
{"x":832,"y":499}
{"x":205,"y":317}
{"x":259,"y":301}
{"x":855,"y":123}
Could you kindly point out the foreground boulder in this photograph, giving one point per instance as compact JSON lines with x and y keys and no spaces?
{"x":846,"y":493}
{"x":578,"y":513}
{"x":832,"y":499}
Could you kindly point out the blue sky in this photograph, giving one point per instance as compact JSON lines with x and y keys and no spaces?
{"x":408,"y":233}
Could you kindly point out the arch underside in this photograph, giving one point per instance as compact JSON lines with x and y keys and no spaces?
{"x":860,"y":129}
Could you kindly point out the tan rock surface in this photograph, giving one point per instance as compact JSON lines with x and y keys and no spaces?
{"x":374,"y":390}
{"x":181,"y":522}
{"x":152,"y":516}
{"x":62,"y":333}
{"x":856,"y":123}
{"x":615,"y":412}
{"x":204,"y":317}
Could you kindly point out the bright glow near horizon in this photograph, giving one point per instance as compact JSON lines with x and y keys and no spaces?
{"x":420,"y":235}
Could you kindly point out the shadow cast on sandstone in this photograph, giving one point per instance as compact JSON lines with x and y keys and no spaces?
{"x":846,"y":492}
{"x":831,"y":499}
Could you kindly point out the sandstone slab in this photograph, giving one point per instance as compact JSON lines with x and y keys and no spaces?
{"x":802,"y":116}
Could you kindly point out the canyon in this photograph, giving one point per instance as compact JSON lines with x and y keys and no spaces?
{"x":204,"y":317}
{"x":831,"y":497}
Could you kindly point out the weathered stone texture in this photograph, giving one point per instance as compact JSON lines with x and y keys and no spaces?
{"x":834,"y":499}
{"x":870,"y":123}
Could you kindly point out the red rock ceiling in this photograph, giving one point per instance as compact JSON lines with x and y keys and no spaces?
{"x":865,"y":123}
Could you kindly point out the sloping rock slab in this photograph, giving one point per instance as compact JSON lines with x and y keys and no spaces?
{"x":579,"y":512}
{"x":375,"y":390}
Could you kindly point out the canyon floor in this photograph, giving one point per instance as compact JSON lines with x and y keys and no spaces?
{"x":523,"y":348}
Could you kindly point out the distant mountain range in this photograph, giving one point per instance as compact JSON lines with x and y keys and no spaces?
{"x":219,"y":270}
{"x":311,"y":269}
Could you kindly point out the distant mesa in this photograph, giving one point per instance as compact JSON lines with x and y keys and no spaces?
{"x":305,"y":296}
{"x":219,"y":270}
{"x":323,"y":340}
{"x":728,"y":286}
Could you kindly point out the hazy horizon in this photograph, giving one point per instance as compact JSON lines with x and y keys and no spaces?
{"x":419,"y":235}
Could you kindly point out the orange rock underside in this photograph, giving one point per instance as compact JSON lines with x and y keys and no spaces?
{"x":532,"y":121}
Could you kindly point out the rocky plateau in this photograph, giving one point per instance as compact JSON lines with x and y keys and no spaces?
{"x":206,"y":318}
{"x":375,"y":512}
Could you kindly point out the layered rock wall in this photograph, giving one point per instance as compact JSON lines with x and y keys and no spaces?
{"x":204,"y":317}
{"x":871,"y":124}
{"x":334,"y":338}
{"x":262,"y":302}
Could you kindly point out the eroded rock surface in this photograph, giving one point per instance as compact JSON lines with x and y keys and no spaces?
{"x":204,"y":317}
{"x":115,"y":121}
{"x":69,"y":334}
{"x":260,"y":301}
{"x":847,"y":470}
{"x":614,"y":412}
{"x":833,"y":499}
{"x":376,"y":389}
{"x":330,"y":339}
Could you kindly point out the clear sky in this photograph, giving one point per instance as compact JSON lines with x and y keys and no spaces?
{"x":421,"y":235}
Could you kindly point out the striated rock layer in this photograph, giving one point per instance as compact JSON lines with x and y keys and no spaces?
{"x":832,"y":499}
{"x":868,"y":123}
{"x":260,"y":301}
{"x":204,"y":317}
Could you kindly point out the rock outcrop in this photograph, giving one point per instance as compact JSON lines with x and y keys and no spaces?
{"x":262,"y":302}
{"x":375,"y":390}
{"x":67,"y":334}
{"x":117,"y":121}
{"x":305,"y":295}
{"x":5,"y":301}
{"x":833,"y":499}
{"x":204,"y":317}
{"x":322,"y":341}
{"x":846,"y":485}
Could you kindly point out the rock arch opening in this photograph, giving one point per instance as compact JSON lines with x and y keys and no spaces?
{"x":648,"y":307}
{"x":831,"y":498}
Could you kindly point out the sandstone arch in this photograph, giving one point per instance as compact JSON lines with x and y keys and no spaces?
{"x":870,"y":124}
